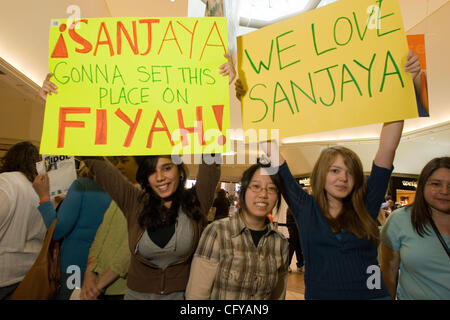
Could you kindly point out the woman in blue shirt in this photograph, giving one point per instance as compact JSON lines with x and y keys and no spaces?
{"x":79,"y":217}
{"x":339,"y":235}
{"x":410,"y":244}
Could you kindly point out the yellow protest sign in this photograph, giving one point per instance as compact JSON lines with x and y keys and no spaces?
{"x":338,"y":66}
{"x":137,"y":86}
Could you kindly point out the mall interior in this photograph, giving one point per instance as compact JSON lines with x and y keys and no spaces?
{"x":24,"y":64}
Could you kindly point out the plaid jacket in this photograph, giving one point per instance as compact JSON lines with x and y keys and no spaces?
{"x":227,"y":265}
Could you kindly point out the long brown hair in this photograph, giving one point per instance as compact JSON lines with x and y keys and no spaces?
{"x":354,"y":216}
{"x":420,"y":210}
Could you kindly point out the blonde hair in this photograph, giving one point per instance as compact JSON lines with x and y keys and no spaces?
{"x":354,"y":217}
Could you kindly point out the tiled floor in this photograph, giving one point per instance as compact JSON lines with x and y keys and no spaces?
{"x":296,"y":285}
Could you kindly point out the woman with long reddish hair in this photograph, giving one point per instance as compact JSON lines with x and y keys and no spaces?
{"x":337,"y":223}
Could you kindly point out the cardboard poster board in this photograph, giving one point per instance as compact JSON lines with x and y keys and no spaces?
{"x":137,"y":86}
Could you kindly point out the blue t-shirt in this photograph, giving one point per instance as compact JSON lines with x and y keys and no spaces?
{"x":337,"y":267}
{"x":79,"y":217}
{"x":424,"y":264}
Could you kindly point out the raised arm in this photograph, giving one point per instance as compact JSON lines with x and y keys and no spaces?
{"x":392,"y":131}
{"x":389,"y":140}
{"x":119,"y":188}
{"x":70,"y":209}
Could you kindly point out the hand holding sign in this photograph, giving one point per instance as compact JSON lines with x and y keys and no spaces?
{"x":48,"y":87}
{"x":227,"y":69}
{"x":412,"y":64}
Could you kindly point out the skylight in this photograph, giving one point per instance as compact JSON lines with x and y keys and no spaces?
{"x":268,"y":10}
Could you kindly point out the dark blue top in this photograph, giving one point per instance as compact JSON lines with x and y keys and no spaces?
{"x":79,"y":217}
{"x":337,"y":267}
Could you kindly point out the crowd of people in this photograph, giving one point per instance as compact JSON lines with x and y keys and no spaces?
{"x":137,"y":233}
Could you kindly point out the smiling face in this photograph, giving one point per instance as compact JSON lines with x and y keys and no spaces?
{"x":436,"y":191}
{"x":339,"y":181}
{"x":261,"y":195}
{"x":166,"y":178}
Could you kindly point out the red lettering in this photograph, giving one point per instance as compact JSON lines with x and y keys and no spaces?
{"x":87,"y":46}
{"x":132,"y":124}
{"x":108,"y":42}
{"x":218,"y":113}
{"x":63,"y":124}
{"x":197,"y":129}
{"x":192,"y":33}
{"x":149,"y":24}
{"x":171,"y":39}
{"x":159,"y":117}
{"x":101,"y":132}
{"x":121,"y":29}
{"x":213,"y":45}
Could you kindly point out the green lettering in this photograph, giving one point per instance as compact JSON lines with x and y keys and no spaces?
{"x":332,"y":85}
{"x":281,"y":50}
{"x":397,"y":71}
{"x":351,"y":31}
{"x":313,"y":98}
{"x":369,"y":86}
{"x":84,"y":73}
{"x":117,"y":74}
{"x":64,"y":79}
{"x":344,"y":67}
{"x":258,"y":99}
{"x":361,"y":37}
{"x":143,"y":70}
{"x":180,"y":97}
{"x":278,"y":85}
{"x":379,"y":20}
{"x":315,"y":43}
{"x":103,"y":92}
{"x":104,"y":75}
{"x":144,"y":95}
{"x":128,"y":96}
{"x":261,"y":64}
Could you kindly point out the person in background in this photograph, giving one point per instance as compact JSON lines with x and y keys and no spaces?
{"x":243,"y":257}
{"x":410,"y":244}
{"x":79,"y":217}
{"x":294,"y":241}
{"x":390,"y":207}
{"x":22,"y":229}
{"x":109,"y":256}
{"x":222,"y":205}
{"x":128,"y":167}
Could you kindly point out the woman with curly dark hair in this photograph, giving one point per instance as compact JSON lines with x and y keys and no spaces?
{"x":22,"y":229}
{"x":164,"y":219}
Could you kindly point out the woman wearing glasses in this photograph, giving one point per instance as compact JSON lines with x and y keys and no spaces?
{"x":415,"y":239}
{"x":243,"y":257}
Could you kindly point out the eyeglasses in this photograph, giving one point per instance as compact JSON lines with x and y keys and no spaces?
{"x":437,"y":185}
{"x":257,"y":188}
